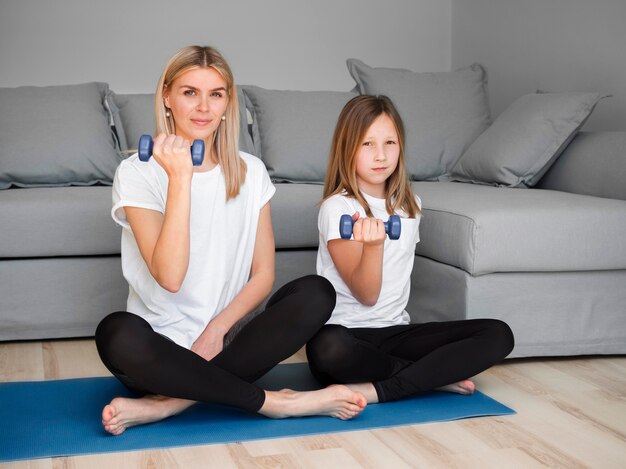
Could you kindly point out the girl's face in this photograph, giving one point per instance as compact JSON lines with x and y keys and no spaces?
{"x":197,"y":100}
{"x":377,"y":157}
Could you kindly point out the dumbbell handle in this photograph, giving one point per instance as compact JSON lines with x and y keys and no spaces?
{"x":146,"y":145}
{"x":393,"y":227}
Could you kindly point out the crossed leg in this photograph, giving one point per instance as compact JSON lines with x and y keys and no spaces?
{"x":157,"y":367}
{"x":390,"y":363}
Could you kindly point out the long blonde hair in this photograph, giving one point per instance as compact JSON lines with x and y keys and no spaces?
{"x":226,"y":140}
{"x":355,"y":119}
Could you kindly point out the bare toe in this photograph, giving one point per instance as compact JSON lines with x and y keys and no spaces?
{"x":469,"y":386}
{"x":108,"y":413}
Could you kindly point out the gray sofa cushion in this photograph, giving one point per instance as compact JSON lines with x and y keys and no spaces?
{"x":442,"y":112}
{"x":292,"y":130}
{"x":137,"y":118}
{"x":484,"y":229}
{"x":294,"y":215}
{"x":525,"y":139}
{"x":593,"y":164}
{"x":57,"y":136}
{"x":59,"y":221}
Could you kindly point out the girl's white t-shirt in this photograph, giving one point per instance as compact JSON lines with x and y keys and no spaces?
{"x":222,"y":238}
{"x":398,"y":261}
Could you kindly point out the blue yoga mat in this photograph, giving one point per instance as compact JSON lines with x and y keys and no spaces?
{"x":63,"y":418}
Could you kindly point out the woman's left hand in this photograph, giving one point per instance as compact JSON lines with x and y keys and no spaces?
{"x":211,"y":341}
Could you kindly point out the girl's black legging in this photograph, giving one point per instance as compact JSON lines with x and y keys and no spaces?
{"x":150,"y":363}
{"x":406,"y":360}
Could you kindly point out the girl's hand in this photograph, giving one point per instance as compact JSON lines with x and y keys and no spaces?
{"x":210,"y":343}
{"x":369,"y":231}
{"x":360,"y":264}
{"x":173,"y":153}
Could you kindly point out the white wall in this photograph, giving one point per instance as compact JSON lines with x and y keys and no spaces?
{"x":552,"y":45}
{"x":282,"y":44}
{"x":303,"y":44}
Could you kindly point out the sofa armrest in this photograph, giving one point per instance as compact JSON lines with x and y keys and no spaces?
{"x":594,"y":163}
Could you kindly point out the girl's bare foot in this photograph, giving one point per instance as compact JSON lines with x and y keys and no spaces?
{"x":369,"y":391}
{"x":461,"y":387}
{"x":123,"y":413}
{"x":336,"y":400}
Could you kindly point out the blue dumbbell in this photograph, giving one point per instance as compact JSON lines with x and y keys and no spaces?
{"x":146,"y":144}
{"x":392,"y":227}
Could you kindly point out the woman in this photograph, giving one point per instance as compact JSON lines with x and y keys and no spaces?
{"x":198,"y":254}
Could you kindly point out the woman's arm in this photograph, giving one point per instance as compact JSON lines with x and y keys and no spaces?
{"x":257,"y":288}
{"x":360,"y":261}
{"x":163,"y":239}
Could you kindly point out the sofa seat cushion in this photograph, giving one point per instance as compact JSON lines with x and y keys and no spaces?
{"x":60,"y":221}
{"x":294,"y":215}
{"x":483,"y":229}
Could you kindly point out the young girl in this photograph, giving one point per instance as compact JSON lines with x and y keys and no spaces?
{"x":198,"y":254}
{"x":368,"y":341}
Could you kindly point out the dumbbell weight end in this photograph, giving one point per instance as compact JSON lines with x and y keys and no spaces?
{"x":393,"y":227}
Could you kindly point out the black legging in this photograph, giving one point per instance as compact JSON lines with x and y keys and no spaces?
{"x":150,"y":363}
{"x":408,"y":359}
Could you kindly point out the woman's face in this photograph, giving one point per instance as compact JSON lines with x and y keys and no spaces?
{"x":377,"y":157}
{"x":197,"y":100}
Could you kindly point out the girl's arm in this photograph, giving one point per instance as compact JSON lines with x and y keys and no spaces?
{"x":211,"y":341}
{"x":360,"y":261}
{"x":163,"y":239}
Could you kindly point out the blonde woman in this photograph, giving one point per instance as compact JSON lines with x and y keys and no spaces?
{"x":198,"y":255}
{"x":368,"y":341}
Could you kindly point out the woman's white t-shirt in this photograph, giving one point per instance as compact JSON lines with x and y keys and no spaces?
{"x":222,"y":238}
{"x":398,"y":260}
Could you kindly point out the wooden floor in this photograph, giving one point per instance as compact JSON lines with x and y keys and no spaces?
{"x":571,"y":413}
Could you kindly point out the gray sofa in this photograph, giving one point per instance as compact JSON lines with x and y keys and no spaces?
{"x":540,"y":245}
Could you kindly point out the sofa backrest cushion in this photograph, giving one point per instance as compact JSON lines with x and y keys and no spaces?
{"x":57,"y":136}
{"x":442,"y":112}
{"x":136,"y":113}
{"x":593,"y":164}
{"x":525,"y":139}
{"x":292,"y":130}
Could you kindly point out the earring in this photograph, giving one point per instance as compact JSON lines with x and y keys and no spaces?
{"x":223,"y":117}
{"x":168,"y":113}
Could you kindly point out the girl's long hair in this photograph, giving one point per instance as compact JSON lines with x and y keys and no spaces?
{"x":226,"y":138}
{"x":355,"y":119}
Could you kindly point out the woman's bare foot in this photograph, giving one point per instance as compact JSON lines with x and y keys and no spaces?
{"x":123,"y":413}
{"x":367,"y":389}
{"x":336,"y":400}
{"x":461,"y":387}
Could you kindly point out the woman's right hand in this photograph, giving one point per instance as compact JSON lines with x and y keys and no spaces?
{"x":163,"y":238}
{"x":369,"y":231}
{"x":173,"y":153}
